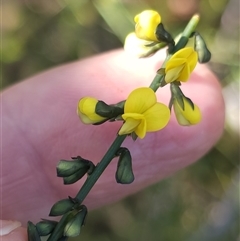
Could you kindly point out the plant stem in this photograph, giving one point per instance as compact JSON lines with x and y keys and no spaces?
{"x":101,"y":166}
{"x":189,"y":29}
{"x":110,"y":154}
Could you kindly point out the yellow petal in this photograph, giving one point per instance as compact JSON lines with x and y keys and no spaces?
{"x":173,"y":74}
{"x":146,"y":24}
{"x":188,"y":116}
{"x":184,"y":74}
{"x":174,"y":62}
{"x":141,"y":129}
{"x":132,"y":120}
{"x":192,"y":61}
{"x":140,"y":100}
{"x":157,"y":117}
{"x":189,"y":54}
{"x":86,"y":110}
{"x":136,"y":46}
{"x":184,"y":53}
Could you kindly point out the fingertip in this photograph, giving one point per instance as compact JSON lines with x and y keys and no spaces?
{"x":12,"y":231}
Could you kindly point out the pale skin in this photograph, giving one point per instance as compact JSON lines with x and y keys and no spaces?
{"x":40,"y":127}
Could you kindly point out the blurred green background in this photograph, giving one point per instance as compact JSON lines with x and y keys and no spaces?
{"x":200,"y":202}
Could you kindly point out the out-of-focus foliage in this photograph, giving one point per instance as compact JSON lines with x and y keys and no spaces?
{"x":200,"y":202}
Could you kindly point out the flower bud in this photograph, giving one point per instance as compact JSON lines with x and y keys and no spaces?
{"x":45,"y":227}
{"x":204,"y":55}
{"x":33,"y":234}
{"x":73,"y":170}
{"x":180,"y":65}
{"x":86,"y":111}
{"x":61,"y":207}
{"x":140,"y":48}
{"x":186,"y":112}
{"x":124,"y":173}
{"x":146,"y":25}
{"x":73,"y":227}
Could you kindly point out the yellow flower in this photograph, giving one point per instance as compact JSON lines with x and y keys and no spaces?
{"x":188,"y":113}
{"x":139,"y":47}
{"x":180,"y":65}
{"x":142,"y":113}
{"x":86,"y":111}
{"x":146,"y":25}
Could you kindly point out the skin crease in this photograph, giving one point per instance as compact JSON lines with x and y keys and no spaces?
{"x":40,"y":127}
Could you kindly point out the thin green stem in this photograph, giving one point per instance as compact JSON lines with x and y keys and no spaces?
{"x":101,"y":166}
{"x":189,"y":29}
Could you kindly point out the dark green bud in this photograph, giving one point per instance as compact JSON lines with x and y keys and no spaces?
{"x":45,"y":227}
{"x":204,"y":55}
{"x":124,"y":173}
{"x":33,"y":234}
{"x":73,"y":227}
{"x":61,"y":207}
{"x":73,"y":170}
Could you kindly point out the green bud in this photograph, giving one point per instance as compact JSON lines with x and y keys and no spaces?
{"x":72,"y":171}
{"x":33,"y":234}
{"x":73,"y":227}
{"x":204,"y":55}
{"x":61,"y":207}
{"x":163,"y":36}
{"x":45,"y":227}
{"x":66,"y":168}
{"x":124,"y":173}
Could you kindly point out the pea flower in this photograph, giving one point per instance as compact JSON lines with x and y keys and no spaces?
{"x":139,"y":47}
{"x":180,"y":65}
{"x":86,"y":111}
{"x":187,"y":113}
{"x":146,"y":25}
{"x":142,"y":113}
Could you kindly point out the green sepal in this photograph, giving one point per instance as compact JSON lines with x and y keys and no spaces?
{"x":177,"y":94}
{"x":161,"y":71}
{"x":120,"y":104}
{"x":134,"y":136}
{"x":67,"y":168}
{"x":32,"y":231}
{"x":124,"y":173}
{"x":73,"y":227}
{"x":164,"y":36}
{"x":61,"y":207}
{"x":108,"y":111}
{"x":45,"y":227}
{"x":190,"y":102}
{"x":204,"y":55}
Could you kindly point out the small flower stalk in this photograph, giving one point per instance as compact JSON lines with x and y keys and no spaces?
{"x":139,"y":115}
